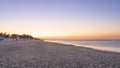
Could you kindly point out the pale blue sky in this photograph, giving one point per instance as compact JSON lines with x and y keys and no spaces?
{"x":60,"y":17}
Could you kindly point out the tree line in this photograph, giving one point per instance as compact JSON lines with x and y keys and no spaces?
{"x":14,"y":36}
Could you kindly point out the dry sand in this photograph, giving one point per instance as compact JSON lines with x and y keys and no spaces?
{"x":38,"y":54}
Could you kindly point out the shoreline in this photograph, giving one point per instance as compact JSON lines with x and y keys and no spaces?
{"x":101,"y":48}
{"x":39,"y":54}
{"x":83,"y":47}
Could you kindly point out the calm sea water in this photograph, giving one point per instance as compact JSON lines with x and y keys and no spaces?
{"x":113,"y":46}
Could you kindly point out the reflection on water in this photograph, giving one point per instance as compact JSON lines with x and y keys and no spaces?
{"x":113,"y":46}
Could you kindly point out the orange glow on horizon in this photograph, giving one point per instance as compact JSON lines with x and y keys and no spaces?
{"x":114,"y":36}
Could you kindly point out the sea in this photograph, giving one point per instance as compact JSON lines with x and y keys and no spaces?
{"x":104,"y":45}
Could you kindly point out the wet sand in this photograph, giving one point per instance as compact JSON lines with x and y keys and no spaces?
{"x":38,"y":54}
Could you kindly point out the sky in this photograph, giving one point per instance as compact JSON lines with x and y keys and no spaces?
{"x":61,"y":19}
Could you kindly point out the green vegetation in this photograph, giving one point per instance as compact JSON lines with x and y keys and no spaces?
{"x":17,"y":37}
{"x":14,"y":36}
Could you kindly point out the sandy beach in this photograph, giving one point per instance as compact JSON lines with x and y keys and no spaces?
{"x":39,"y":54}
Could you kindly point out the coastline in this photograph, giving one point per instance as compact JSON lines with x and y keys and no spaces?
{"x":39,"y":54}
{"x":105,"y":46}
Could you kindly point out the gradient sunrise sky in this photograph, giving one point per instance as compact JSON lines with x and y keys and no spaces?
{"x":62,"y":19}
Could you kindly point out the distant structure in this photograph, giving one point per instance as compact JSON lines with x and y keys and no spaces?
{"x":1,"y":38}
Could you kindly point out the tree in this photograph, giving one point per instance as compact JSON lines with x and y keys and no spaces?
{"x":15,"y":36}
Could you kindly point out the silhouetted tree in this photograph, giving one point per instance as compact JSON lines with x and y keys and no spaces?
{"x":1,"y":34}
{"x":16,"y":36}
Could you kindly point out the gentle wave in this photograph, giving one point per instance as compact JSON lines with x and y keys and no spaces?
{"x":113,"y":46}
